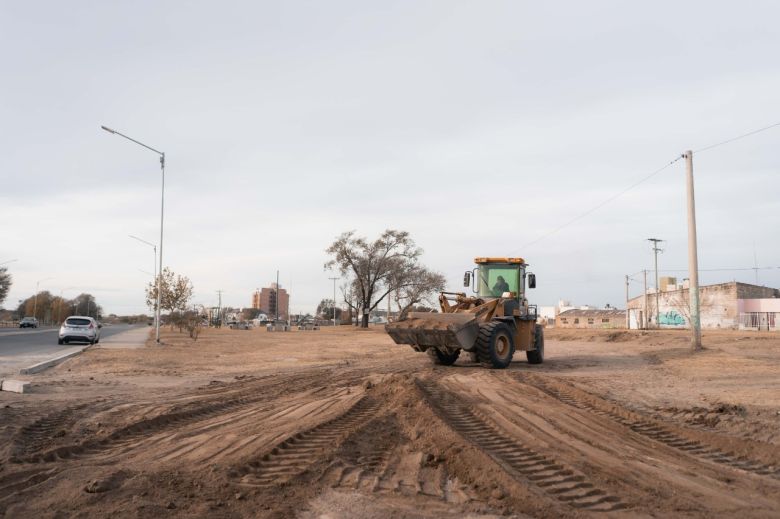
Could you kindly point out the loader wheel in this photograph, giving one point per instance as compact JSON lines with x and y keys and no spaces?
{"x":537,"y":356}
{"x":442,"y":358}
{"x":495,"y":345}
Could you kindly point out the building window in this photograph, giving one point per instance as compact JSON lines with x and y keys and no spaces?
{"x":563,"y":320}
{"x":576,"y":321}
{"x":605,"y":320}
{"x":590,"y":320}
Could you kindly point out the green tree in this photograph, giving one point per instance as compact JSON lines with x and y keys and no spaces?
{"x":175,"y":295}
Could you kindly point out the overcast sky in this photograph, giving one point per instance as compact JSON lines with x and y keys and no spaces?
{"x":478,"y":127}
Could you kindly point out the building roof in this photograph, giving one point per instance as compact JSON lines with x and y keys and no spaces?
{"x":702,"y":288}
{"x":602,"y":314}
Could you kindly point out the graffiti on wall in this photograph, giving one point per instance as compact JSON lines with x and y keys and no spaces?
{"x":671,"y":318}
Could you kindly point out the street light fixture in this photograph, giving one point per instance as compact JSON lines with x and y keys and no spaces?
{"x":162,"y":214}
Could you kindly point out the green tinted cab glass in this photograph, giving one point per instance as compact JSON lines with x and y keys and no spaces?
{"x":489,"y":284}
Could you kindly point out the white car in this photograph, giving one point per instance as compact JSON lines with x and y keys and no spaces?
{"x":79,"y":328}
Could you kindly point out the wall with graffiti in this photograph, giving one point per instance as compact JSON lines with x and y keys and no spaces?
{"x":672,"y":318}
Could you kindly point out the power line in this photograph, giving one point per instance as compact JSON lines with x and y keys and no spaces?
{"x":599,"y":206}
{"x":727,"y":141}
{"x":720,"y":270}
{"x":641,"y":181}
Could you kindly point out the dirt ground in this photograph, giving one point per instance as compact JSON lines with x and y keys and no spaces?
{"x":343,"y":423}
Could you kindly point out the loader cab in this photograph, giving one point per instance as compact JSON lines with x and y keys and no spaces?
{"x":495,"y":276}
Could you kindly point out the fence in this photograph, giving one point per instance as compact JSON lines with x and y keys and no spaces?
{"x":759,"y":320}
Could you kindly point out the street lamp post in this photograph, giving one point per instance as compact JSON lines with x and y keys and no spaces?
{"x":153,"y":246}
{"x":35,"y":300}
{"x":162,"y":216}
{"x":334,"y":299}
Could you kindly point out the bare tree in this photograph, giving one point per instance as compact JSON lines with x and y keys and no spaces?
{"x":681,"y":304}
{"x":377,"y":267}
{"x":349,"y":295}
{"x":420,"y":285}
{"x":5,"y":283}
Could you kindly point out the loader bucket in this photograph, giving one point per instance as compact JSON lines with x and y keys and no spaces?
{"x":422,"y":330}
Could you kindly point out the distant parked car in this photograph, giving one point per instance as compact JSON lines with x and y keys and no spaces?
{"x":79,"y":328}
{"x":28,"y":322}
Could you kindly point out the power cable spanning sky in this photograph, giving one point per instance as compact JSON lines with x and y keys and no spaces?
{"x":482,"y":129}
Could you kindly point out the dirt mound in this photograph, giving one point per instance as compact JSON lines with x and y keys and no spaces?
{"x":356,"y":426}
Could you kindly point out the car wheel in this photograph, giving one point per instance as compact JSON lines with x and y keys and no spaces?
{"x":60,"y":341}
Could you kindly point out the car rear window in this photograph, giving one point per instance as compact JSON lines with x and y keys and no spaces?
{"x":77,"y":322}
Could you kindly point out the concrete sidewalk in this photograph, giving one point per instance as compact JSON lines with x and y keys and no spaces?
{"x":11,"y":365}
{"x":135,"y":338}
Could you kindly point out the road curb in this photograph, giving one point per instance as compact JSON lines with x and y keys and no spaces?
{"x":14,"y":386}
{"x":46,"y":364}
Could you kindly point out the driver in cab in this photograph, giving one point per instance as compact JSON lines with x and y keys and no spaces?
{"x":500,"y":287}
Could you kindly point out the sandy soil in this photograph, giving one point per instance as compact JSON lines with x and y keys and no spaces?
{"x":343,"y":423}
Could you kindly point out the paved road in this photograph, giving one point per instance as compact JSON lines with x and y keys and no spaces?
{"x":21,"y":346}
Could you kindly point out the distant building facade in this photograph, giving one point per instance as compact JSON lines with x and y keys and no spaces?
{"x":726,"y":305}
{"x":589,"y":318}
{"x":268,"y":299}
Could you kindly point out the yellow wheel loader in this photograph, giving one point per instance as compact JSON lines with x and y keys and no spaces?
{"x":489,"y":325}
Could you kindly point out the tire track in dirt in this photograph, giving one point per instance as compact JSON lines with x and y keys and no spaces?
{"x":553,"y":477}
{"x":20,"y":482}
{"x":364,"y":456}
{"x":648,"y":428}
{"x":196,"y":411}
{"x":34,"y":436}
{"x":12,"y":483}
{"x":293,"y":455}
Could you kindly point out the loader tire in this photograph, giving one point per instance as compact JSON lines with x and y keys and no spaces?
{"x":495,"y":345}
{"x":442,"y":358}
{"x":537,"y":356}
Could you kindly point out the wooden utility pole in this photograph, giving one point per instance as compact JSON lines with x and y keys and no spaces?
{"x":219,"y":309}
{"x":656,"y":250}
{"x":646,"y":308}
{"x":693,"y":259}
{"x":628,"y":319}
